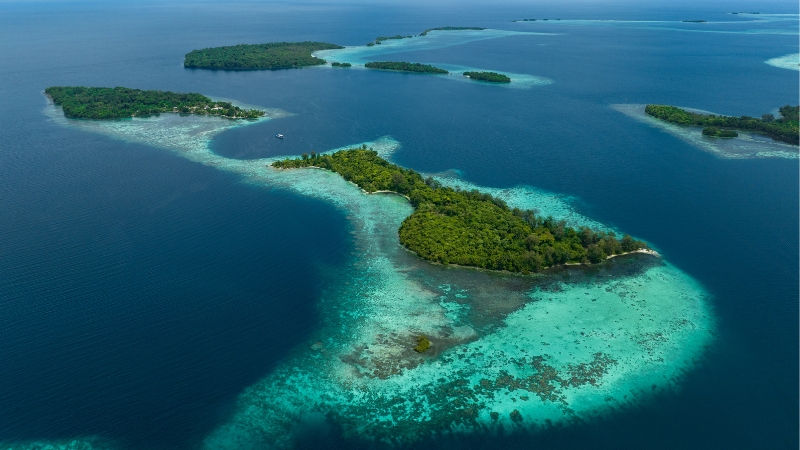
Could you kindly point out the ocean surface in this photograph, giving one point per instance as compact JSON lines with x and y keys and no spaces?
{"x":152,"y":283}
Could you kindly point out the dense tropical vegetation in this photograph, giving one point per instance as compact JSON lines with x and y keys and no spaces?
{"x":424,"y":33}
{"x":81,"y":102}
{"x":404,"y":67}
{"x":492,"y":77}
{"x":783,"y":129}
{"x":388,"y":38}
{"x":716,"y":132}
{"x":273,"y":55}
{"x":469,"y":228}
{"x":338,"y":64}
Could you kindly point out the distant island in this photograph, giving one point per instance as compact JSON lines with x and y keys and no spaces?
{"x":380,"y":39}
{"x":694,"y":21}
{"x":492,"y":77}
{"x":80,"y":102}
{"x":338,"y":64}
{"x":469,"y":228}
{"x":405,"y":67}
{"x":783,"y":129}
{"x":424,"y":33}
{"x":273,"y":55}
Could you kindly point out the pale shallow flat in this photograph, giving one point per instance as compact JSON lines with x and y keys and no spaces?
{"x":569,"y":347}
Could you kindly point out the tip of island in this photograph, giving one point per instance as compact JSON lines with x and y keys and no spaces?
{"x":784,"y":128}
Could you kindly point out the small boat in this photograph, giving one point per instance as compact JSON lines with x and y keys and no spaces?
{"x":279,"y":136}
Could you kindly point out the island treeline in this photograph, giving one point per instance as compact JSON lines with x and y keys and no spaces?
{"x":716,"y":132}
{"x":783,"y":129}
{"x":492,"y":77}
{"x":79,"y":102}
{"x":469,"y":228}
{"x":424,"y":33}
{"x":380,"y":39}
{"x":404,"y":67}
{"x":273,"y":55}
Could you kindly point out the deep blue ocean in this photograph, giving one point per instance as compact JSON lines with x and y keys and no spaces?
{"x":140,"y":293}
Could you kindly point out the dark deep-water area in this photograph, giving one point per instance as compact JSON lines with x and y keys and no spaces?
{"x":140,"y":293}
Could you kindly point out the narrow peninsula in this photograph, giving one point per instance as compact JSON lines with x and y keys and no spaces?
{"x":491,"y":77}
{"x":424,"y":33}
{"x":405,"y":67}
{"x":273,"y":55}
{"x":783,"y":129}
{"x":380,"y":39}
{"x":469,"y":228}
{"x":80,"y":102}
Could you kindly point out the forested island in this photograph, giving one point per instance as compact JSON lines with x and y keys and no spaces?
{"x":492,"y":77}
{"x":273,"y":55}
{"x":338,"y":64}
{"x":404,"y":67}
{"x":694,"y":21}
{"x":783,"y":129}
{"x":380,"y":39}
{"x":469,"y":228}
{"x":424,"y":33}
{"x":80,"y":102}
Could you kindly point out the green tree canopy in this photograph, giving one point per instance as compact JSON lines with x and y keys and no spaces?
{"x":81,"y":102}
{"x":783,"y":129}
{"x":273,"y":55}
{"x":470,"y":228}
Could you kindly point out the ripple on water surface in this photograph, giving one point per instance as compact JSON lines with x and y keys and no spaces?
{"x":508,"y":351}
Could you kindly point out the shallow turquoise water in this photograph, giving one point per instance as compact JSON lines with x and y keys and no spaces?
{"x":573,"y":349}
{"x":138,"y":275}
{"x":437,"y":39}
{"x":747,"y":145}
{"x":791,"y":62}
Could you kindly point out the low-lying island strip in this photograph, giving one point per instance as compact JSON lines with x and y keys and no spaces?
{"x":469,"y":228}
{"x":784,"y":128}
{"x":272,"y":55}
{"x":401,"y":66}
{"x":491,"y":77}
{"x":80,"y":102}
